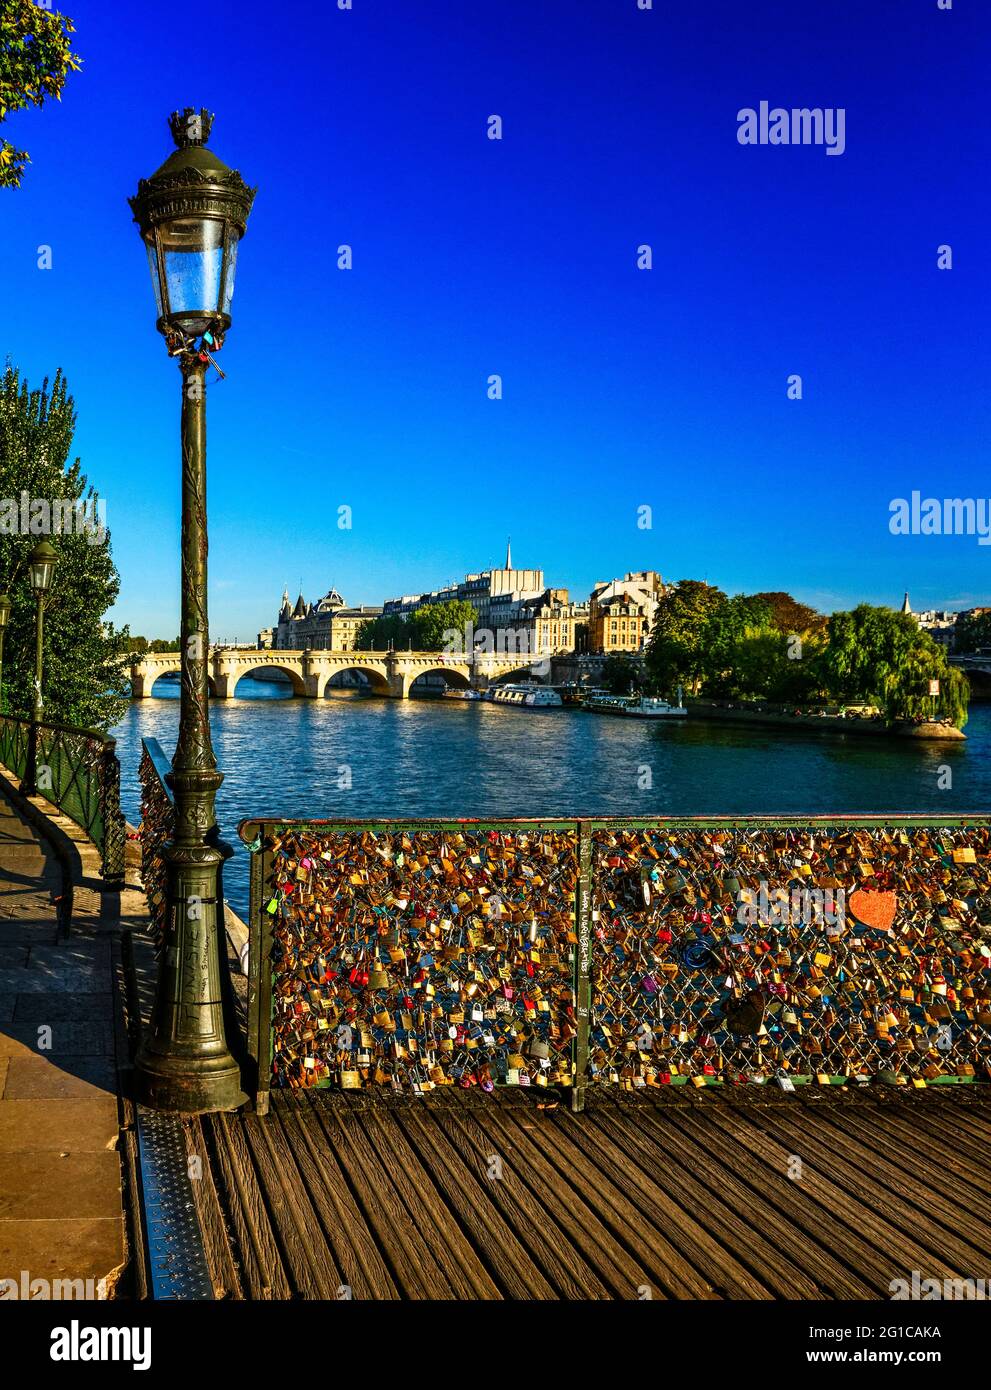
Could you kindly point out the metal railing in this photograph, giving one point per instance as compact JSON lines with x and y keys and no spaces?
{"x":636,"y":953}
{"x":157,"y":830}
{"x":77,"y":772}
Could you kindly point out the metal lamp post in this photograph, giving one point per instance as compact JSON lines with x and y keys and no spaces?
{"x":4,"y":617}
{"x":191,"y":215}
{"x":41,"y":568}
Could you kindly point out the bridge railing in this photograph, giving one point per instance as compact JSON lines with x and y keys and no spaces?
{"x":157,"y":830}
{"x":77,"y":772}
{"x":633,"y":953}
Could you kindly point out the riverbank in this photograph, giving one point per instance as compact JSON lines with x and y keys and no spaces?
{"x":718,"y":713}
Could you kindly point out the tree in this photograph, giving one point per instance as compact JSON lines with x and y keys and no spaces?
{"x":790,"y":616}
{"x":619,"y":675}
{"x":972,"y":632}
{"x":165,"y":644}
{"x":676,"y":651}
{"x":35,"y":59}
{"x":433,"y":626}
{"x":427,"y":629}
{"x":84,"y":682}
{"x":878,"y":656}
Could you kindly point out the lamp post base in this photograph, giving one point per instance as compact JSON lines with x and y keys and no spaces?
{"x":172,"y":1083}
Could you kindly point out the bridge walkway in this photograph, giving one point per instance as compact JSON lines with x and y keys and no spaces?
{"x":814,"y":1195}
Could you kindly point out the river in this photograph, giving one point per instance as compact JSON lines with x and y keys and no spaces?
{"x":435,"y":757}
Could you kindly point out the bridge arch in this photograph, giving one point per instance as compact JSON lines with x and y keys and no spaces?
{"x":376,"y":679}
{"x":453,"y":679}
{"x":153,"y":677}
{"x":523,"y":673}
{"x":238,"y":675}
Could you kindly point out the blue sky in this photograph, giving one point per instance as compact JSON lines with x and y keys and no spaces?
{"x":518,"y":257}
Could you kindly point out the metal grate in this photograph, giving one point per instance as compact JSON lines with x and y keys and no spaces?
{"x":176,"y":1256}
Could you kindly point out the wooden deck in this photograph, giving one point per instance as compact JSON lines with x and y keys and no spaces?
{"x":816,"y":1195}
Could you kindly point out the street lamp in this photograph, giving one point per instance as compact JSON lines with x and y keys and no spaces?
{"x":191,"y":215}
{"x":4,"y":617}
{"x":41,"y":568}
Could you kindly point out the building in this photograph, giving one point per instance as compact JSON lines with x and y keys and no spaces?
{"x":940,"y":623}
{"x":497,"y":595}
{"x":328,"y":624}
{"x":621,"y":612}
{"x":553,"y":624}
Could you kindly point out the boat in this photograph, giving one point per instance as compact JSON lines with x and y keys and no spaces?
{"x":461,"y":695}
{"x":525,"y":694}
{"x":636,"y":707}
{"x":651,"y":707}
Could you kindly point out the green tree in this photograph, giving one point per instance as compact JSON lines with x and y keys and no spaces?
{"x":881,"y":657}
{"x":85,"y":681}
{"x":35,"y":59}
{"x":972,"y":631}
{"x":676,"y":651}
{"x":376,"y":633}
{"x":790,"y":616}
{"x":165,"y":644}
{"x":438,"y":626}
{"x":619,"y":675}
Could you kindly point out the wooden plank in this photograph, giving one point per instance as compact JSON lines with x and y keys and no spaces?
{"x":261,"y":1260}
{"x":865,"y":1179}
{"x":898,"y":1251}
{"x":297,"y":1224}
{"x":944,"y":1171}
{"x":515,"y":1272}
{"x":644,"y":1214}
{"x":763,"y":1167}
{"x":733,"y":1251}
{"x":955,"y":1144}
{"x":216,"y":1243}
{"x":534,"y":1223}
{"x":362,"y":1267}
{"x":426,"y":1204}
{"x":404,"y":1248}
{"x":571,"y":1203}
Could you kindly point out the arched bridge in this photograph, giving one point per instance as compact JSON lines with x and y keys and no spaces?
{"x":389,"y":673}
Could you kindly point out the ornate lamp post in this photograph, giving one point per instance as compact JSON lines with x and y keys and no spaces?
{"x":192,"y":214}
{"x":4,"y":616}
{"x":41,"y":567}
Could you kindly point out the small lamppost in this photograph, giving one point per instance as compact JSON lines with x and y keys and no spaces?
{"x":191,"y":215}
{"x":41,"y":568}
{"x":4,"y":618}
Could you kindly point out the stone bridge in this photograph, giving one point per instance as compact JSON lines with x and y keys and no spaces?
{"x":977,"y":668}
{"x":388,"y":673}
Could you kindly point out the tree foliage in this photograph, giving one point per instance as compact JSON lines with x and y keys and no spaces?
{"x":770,"y":647}
{"x":972,"y":632}
{"x":619,"y":675}
{"x":36,"y":57}
{"x":426,"y":630}
{"x":84,"y":681}
{"x":878,"y":656}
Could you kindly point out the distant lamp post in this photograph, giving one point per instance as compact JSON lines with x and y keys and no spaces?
{"x":191,"y":215}
{"x":41,"y":569}
{"x":4,"y":619}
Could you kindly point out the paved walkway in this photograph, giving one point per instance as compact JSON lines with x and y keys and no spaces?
{"x":60,"y":1174}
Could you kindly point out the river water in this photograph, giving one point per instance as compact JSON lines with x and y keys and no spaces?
{"x":436,"y":757}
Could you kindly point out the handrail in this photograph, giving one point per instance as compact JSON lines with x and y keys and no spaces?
{"x":77,"y":772}
{"x":157,"y":831}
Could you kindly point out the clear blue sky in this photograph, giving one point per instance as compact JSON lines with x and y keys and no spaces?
{"x":622,"y":387}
